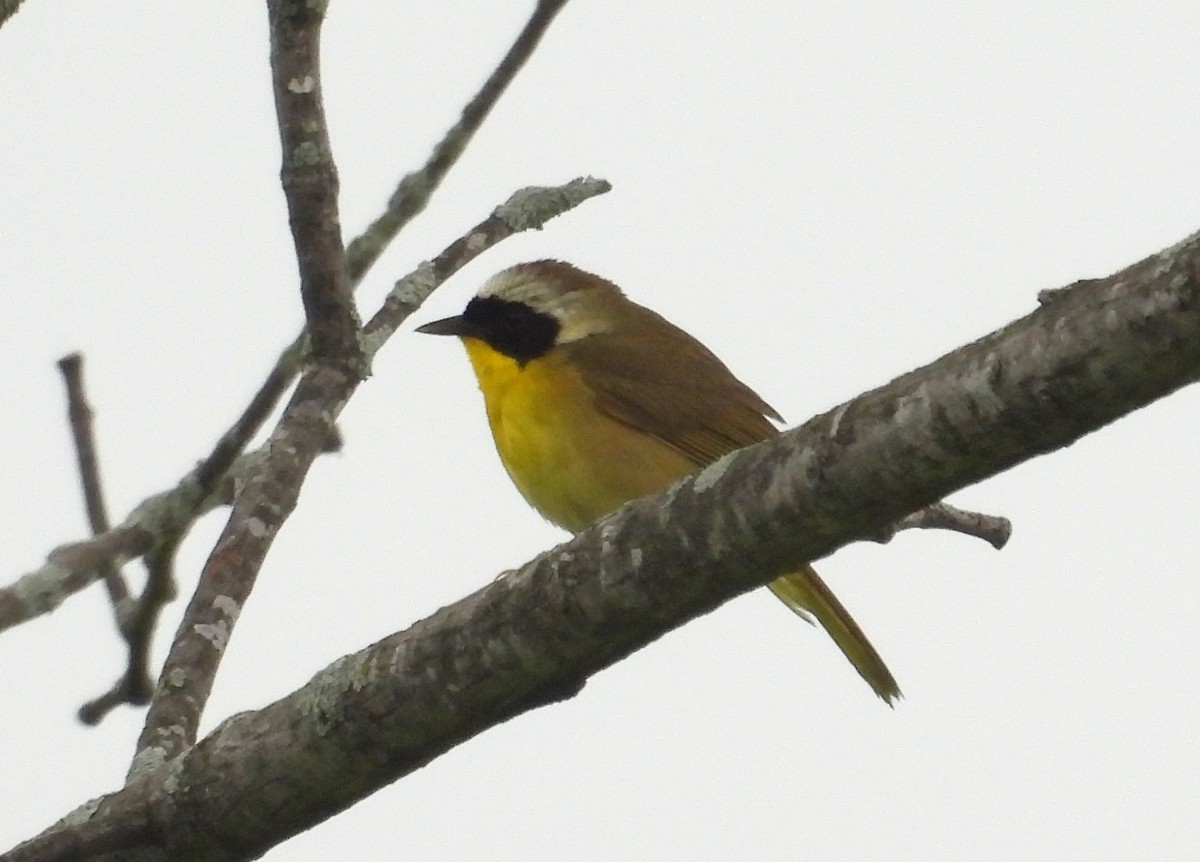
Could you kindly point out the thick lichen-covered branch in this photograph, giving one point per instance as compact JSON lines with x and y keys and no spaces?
{"x":1095,"y":353}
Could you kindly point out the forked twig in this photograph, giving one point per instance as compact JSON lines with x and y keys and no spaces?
{"x":164,"y":518}
{"x":272,"y":487}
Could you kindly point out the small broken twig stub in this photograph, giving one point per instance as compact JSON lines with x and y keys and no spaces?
{"x":993,"y":529}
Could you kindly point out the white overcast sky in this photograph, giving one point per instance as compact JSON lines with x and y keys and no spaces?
{"x":827,"y":194}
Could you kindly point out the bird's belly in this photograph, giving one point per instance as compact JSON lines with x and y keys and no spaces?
{"x":570,"y":461}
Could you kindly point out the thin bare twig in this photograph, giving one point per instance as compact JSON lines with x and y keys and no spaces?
{"x":135,"y":685}
{"x":414,"y":191}
{"x":237,"y":436}
{"x":79,"y":412}
{"x":526,"y":209}
{"x":272,"y":488}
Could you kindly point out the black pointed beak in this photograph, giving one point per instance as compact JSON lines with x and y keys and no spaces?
{"x":447,"y":326}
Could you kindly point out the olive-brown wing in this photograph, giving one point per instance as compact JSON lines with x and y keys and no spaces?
{"x":661,"y":381}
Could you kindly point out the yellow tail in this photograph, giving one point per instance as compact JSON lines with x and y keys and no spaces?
{"x":806,"y":593}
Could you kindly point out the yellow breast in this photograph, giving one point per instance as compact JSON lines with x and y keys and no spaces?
{"x":570,"y":461}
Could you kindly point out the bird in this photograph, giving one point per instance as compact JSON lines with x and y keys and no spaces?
{"x":594,"y":400}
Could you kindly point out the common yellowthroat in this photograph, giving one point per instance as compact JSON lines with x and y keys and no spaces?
{"x":594,"y":400}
